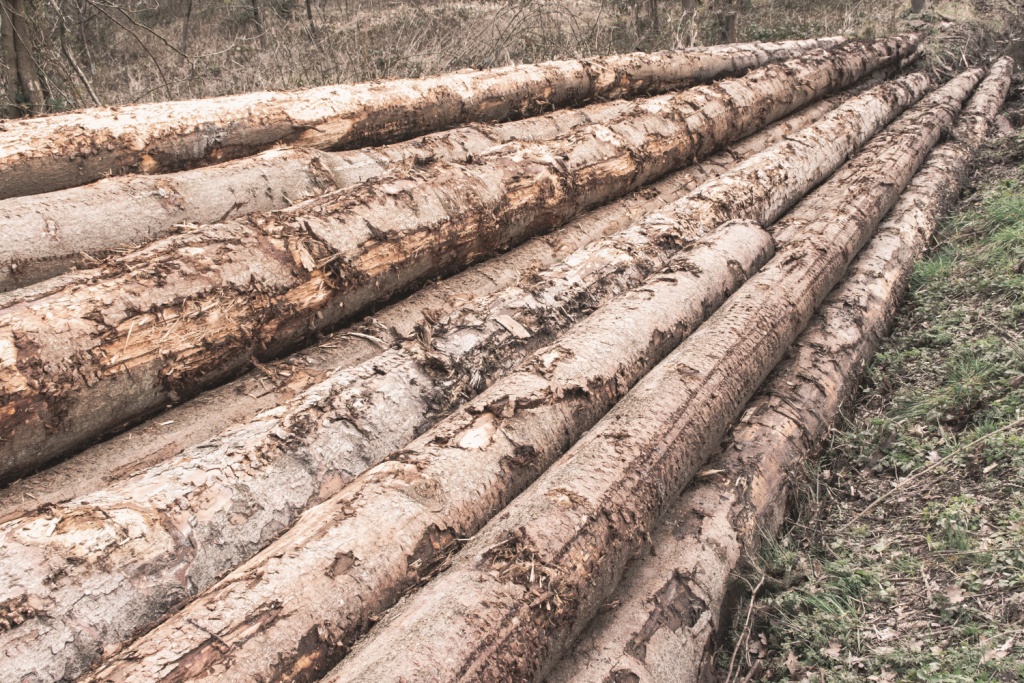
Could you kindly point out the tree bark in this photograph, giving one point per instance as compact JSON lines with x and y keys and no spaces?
{"x":125,"y":341}
{"x":73,"y":149}
{"x":239,"y":401}
{"x":185,"y":21}
{"x":10,"y":60}
{"x":669,"y":606}
{"x":28,"y":75}
{"x":86,"y":223}
{"x":595,"y":358}
{"x":524,"y":586}
{"x":537,"y":406}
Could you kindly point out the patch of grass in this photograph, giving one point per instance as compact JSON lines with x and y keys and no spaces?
{"x":928,"y":586}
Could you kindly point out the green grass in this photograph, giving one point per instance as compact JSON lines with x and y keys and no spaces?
{"x":930,"y":585}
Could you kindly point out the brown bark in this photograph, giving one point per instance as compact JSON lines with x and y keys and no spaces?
{"x":24,"y":65}
{"x":582,"y":375}
{"x":238,"y":401}
{"x":669,"y":605}
{"x":520,"y":591}
{"x":189,"y":310}
{"x":487,"y":474}
{"x":72,"y":149}
{"x":81,"y":224}
{"x":8,"y":61}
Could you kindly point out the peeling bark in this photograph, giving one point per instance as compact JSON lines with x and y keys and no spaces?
{"x":510,"y":432}
{"x":239,"y":401}
{"x":73,"y":149}
{"x":48,"y":234}
{"x":191,"y":310}
{"x":519,"y":592}
{"x":668,"y":608}
{"x":535,"y":416}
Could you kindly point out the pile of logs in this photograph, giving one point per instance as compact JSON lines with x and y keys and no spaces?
{"x":507,"y":401}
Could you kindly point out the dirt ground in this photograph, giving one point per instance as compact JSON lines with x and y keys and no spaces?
{"x":903,"y":557}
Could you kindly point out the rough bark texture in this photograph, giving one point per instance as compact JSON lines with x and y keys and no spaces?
{"x":668,"y":607}
{"x":520,"y":591}
{"x":552,"y":418}
{"x":392,"y":527}
{"x":239,"y":401}
{"x":73,"y":149}
{"x":47,"y":234}
{"x":191,"y":309}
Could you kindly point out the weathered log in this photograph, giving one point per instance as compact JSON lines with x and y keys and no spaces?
{"x":192,"y":309}
{"x":523,"y":587}
{"x":239,"y":401}
{"x":62,"y":151}
{"x":552,"y":408}
{"x":48,"y":234}
{"x":668,"y":609}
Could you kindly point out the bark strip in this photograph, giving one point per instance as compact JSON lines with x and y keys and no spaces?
{"x":520,"y":591}
{"x":72,"y":149}
{"x":190,"y":310}
{"x":668,"y":608}
{"x":554,"y":414}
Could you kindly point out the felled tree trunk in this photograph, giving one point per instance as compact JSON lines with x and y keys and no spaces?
{"x":520,"y":591}
{"x":239,"y":401}
{"x":192,"y":309}
{"x":668,"y":608}
{"x":48,"y":234}
{"x":73,"y":149}
{"x":539,"y":412}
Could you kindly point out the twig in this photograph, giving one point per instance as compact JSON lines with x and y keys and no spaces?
{"x":920,"y":473}
{"x":67,"y":53}
{"x":745,"y":633}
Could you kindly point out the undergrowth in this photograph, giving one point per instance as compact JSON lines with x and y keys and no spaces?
{"x":929,"y":584}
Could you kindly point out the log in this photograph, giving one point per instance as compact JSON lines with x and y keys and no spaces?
{"x":669,"y":606}
{"x":190,"y":310}
{"x":523,"y":587}
{"x":66,"y":150}
{"x":48,"y":234}
{"x":239,"y":401}
{"x":545,"y":393}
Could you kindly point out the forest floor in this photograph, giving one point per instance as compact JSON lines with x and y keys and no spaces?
{"x":903,"y":558}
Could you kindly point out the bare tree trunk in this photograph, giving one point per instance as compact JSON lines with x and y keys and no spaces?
{"x":719,"y":519}
{"x":185,"y":21}
{"x":240,"y":401}
{"x":9,"y":57}
{"x":72,"y":149}
{"x":524,"y":587}
{"x":28,"y":74}
{"x":126,"y":340}
{"x":538,"y":406}
{"x":730,"y":20}
{"x":257,"y":21}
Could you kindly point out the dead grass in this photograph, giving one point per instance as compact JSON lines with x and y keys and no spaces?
{"x":131,"y":50}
